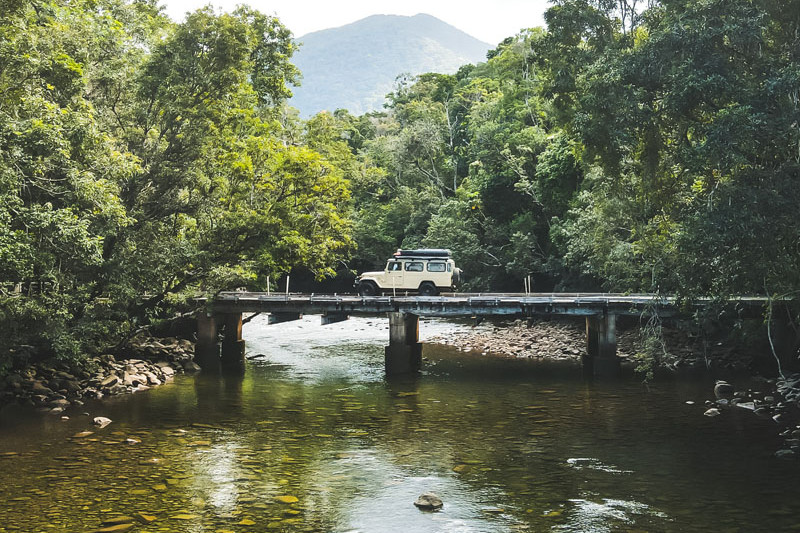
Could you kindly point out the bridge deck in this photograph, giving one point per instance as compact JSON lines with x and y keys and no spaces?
{"x":453,"y":305}
{"x":404,"y":352}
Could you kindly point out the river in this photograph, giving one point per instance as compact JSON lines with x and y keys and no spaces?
{"x":314,"y":438}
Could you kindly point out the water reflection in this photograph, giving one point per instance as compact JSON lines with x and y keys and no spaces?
{"x":313,"y":438}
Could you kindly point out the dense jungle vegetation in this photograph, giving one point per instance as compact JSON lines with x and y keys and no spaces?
{"x":623,"y":148}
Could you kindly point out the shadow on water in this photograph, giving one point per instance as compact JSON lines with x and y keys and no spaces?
{"x":315,"y":438}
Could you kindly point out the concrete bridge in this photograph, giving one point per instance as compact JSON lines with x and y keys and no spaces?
{"x":404,"y":352}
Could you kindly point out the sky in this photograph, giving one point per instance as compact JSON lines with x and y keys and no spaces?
{"x":490,"y":21}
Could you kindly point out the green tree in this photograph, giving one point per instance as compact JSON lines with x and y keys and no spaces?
{"x":142,"y":161}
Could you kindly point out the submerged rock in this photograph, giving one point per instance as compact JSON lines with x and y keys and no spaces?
{"x":190,"y":367}
{"x":101,"y":421}
{"x":712,"y":412}
{"x":429,"y":502}
{"x":117,"y":520}
{"x":145,"y":518}
{"x":114,"y":529}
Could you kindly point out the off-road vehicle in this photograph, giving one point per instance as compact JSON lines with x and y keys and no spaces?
{"x":426,"y":271}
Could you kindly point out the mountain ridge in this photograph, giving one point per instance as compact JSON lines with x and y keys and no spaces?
{"x":354,"y":66}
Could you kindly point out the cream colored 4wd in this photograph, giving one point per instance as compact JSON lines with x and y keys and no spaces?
{"x":426,"y":271}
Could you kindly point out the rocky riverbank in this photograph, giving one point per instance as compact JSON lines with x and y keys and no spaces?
{"x":55,"y":386}
{"x":565,"y":339}
{"x":777,"y":400}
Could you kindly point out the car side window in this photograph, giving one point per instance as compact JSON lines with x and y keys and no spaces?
{"x":395,"y":266}
{"x":414,"y":266}
{"x":436,"y":267}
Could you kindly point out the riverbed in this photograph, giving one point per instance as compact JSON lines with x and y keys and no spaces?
{"x":314,"y":438}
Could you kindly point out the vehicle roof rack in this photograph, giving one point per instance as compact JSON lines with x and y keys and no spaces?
{"x":440,"y":253}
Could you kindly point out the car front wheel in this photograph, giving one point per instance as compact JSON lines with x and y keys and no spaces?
{"x":367,"y":288}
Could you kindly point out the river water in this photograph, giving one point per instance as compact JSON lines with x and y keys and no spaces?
{"x":314,"y":438}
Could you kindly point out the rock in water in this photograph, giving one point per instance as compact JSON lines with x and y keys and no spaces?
{"x":712,"y":412}
{"x":723,"y":390}
{"x":785,"y":454}
{"x":190,"y":367}
{"x":101,"y":421}
{"x":114,"y":529}
{"x":117,"y":520}
{"x":429,"y":502}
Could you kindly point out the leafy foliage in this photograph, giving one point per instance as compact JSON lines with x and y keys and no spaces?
{"x":142,"y":162}
{"x":621,"y":149}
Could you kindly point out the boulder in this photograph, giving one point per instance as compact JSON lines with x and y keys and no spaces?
{"x":38,"y":388}
{"x":109,"y":381}
{"x":117,"y":389}
{"x":39,"y":399}
{"x":429,"y":502}
{"x":71,"y":386}
{"x":723,"y":390}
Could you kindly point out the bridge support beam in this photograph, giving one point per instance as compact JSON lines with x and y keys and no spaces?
{"x":601,"y":358}
{"x":233,"y":345}
{"x":333,"y":317}
{"x":278,"y":317}
{"x":404,"y":353}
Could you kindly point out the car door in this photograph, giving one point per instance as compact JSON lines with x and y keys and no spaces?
{"x":414,"y":274}
{"x":394,"y":275}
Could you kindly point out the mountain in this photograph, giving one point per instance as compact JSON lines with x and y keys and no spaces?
{"x":354,"y":66}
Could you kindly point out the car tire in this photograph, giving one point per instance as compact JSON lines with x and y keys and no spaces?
{"x":457,"y":273}
{"x":367,"y":288}
{"x":426,"y":288}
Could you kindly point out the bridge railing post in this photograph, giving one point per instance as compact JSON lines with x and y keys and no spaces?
{"x":403,"y":355}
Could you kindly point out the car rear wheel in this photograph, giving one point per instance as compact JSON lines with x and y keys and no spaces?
{"x":367,"y":288}
{"x":426,"y":288}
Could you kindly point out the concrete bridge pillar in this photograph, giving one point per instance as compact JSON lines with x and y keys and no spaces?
{"x":232,"y":344}
{"x":601,"y":358}
{"x":206,"y":349}
{"x":404,"y":353}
